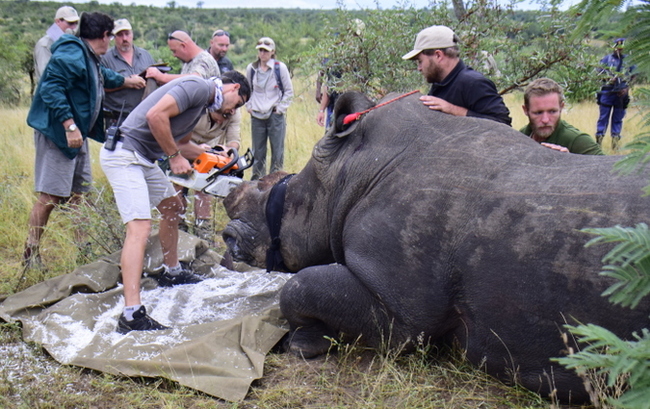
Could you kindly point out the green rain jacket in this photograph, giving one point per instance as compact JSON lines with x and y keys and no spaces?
{"x":68,"y":89}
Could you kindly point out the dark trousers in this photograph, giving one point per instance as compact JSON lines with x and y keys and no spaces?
{"x":264,"y":131}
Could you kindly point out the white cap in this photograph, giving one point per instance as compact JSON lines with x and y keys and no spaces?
{"x":430,"y":38}
{"x":68,"y":14}
{"x":121,"y":24}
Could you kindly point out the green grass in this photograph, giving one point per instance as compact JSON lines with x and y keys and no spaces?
{"x":352,"y":378}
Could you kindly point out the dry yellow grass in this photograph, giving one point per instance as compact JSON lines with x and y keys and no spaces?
{"x":352,"y":379}
{"x":17,"y":158}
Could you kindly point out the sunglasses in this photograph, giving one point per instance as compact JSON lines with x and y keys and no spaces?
{"x":265,"y":42}
{"x":220,"y":33}
{"x":171,"y":37}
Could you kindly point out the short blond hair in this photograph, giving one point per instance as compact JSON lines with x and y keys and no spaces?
{"x":541,"y":87}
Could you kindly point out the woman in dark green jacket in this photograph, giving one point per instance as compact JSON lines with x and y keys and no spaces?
{"x":65,"y":111}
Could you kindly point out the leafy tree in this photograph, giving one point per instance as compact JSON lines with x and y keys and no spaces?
{"x":621,"y":362}
{"x":369,"y":60}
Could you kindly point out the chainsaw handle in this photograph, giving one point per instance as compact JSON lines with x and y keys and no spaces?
{"x":235,"y":157}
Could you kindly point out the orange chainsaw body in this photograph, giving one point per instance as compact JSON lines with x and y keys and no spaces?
{"x":208,"y":161}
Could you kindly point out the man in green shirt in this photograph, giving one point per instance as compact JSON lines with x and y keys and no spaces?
{"x":543,"y":104}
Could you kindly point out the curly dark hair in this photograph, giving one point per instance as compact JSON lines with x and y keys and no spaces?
{"x":95,"y":25}
{"x":236,"y":77}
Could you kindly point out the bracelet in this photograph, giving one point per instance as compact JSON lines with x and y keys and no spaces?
{"x":173,"y":155}
{"x":321,"y":110}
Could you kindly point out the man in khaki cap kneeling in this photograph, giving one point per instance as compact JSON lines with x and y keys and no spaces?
{"x":455,"y":88}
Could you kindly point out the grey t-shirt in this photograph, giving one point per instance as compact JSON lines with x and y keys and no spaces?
{"x":192,"y":95}
{"x":129,"y":96}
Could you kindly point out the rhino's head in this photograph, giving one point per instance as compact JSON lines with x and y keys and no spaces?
{"x":247,"y":234}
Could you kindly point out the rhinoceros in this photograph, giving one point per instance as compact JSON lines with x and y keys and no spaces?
{"x":412,"y":224}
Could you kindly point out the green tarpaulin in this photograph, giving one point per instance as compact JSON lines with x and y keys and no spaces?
{"x":222,"y":328}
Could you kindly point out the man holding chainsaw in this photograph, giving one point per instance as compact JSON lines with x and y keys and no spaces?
{"x":160,"y":128}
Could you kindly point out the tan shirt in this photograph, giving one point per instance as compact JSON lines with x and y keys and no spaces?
{"x":209,"y":132}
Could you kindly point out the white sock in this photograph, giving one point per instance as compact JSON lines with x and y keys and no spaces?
{"x":174,"y":270}
{"x":128,"y":311}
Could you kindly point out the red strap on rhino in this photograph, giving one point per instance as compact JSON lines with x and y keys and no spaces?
{"x":353,"y":117}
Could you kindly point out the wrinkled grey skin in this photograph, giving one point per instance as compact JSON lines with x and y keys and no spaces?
{"x":416,"y":223}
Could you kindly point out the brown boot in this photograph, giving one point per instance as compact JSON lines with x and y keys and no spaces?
{"x":616,"y":139}
{"x":599,"y":139}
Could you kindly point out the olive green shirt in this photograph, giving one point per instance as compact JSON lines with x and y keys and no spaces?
{"x":571,"y":138}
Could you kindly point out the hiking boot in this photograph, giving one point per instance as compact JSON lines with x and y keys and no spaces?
{"x":141,"y":322}
{"x":167,"y":279}
{"x":599,"y":139}
{"x":615,"y":141}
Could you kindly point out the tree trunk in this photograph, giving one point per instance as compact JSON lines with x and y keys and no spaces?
{"x":459,"y":9}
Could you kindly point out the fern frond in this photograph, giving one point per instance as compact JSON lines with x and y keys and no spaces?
{"x":628,"y":263}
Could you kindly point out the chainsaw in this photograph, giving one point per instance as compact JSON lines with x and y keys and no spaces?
{"x":214,"y":173}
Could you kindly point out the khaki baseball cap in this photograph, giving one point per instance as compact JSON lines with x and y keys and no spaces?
{"x":432,"y":38}
{"x":266,"y":43}
{"x":68,"y":14}
{"x":121,"y":24}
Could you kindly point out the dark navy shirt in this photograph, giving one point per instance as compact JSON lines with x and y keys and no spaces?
{"x":470,"y":89}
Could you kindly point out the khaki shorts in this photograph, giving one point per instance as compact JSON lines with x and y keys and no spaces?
{"x":138,"y":184}
{"x":58,"y":175}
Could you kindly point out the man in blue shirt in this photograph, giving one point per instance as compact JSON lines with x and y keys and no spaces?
{"x":219,"y":48}
{"x":613,"y":97}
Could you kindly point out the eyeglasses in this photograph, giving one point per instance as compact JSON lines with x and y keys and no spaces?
{"x":170,"y":36}
{"x":220,"y":33}
{"x":110,"y":36}
{"x":265,"y":42}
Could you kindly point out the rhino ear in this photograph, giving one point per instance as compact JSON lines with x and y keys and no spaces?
{"x":348,"y":103}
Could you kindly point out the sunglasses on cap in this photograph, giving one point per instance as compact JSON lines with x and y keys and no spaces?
{"x":170,"y":36}
{"x":220,"y":33}
{"x":265,"y":42}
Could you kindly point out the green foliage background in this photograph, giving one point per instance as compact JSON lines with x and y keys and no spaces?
{"x":525,"y":44}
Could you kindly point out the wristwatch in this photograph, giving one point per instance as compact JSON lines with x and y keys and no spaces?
{"x":71,"y":128}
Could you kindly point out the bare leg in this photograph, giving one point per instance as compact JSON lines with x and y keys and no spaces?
{"x":170,"y":209}
{"x":202,"y":205}
{"x":137,"y":233}
{"x":39,"y":216}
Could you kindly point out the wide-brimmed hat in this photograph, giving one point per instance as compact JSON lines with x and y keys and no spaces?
{"x":266,"y":43}
{"x":430,"y":38}
{"x":67,"y":13}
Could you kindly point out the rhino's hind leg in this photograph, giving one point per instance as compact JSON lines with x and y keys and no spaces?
{"x":325,"y":302}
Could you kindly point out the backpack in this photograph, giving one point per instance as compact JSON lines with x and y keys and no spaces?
{"x":278,"y":78}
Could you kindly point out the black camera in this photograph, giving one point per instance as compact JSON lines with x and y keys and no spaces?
{"x":112,"y":136}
